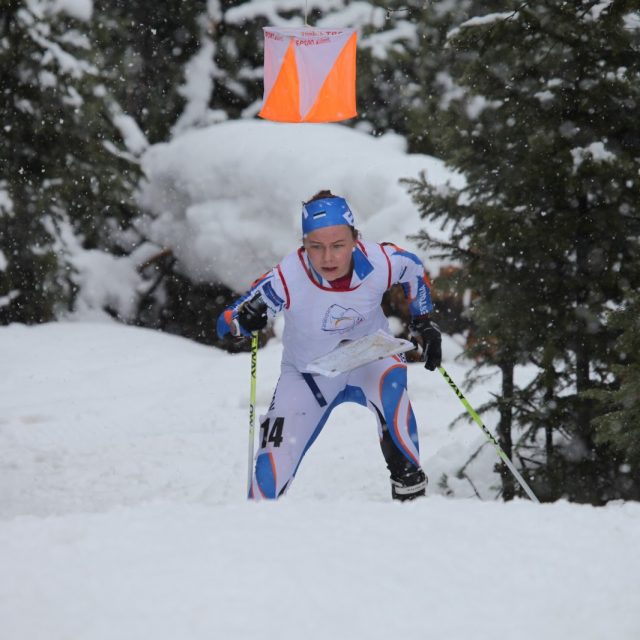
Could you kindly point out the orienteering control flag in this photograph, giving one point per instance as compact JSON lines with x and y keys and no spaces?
{"x":309,"y":74}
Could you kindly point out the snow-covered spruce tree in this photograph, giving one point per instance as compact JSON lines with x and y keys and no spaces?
{"x":543,"y":123}
{"x":62,"y":188}
{"x":619,"y":426}
{"x":403,"y":82}
{"x":144,"y":49}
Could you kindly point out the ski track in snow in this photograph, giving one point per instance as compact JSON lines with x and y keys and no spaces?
{"x":123,"y":512}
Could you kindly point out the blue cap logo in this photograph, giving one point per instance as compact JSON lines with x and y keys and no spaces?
{"x":326,"y":212}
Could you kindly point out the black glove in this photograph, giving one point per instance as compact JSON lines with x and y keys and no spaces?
{"x":252,"y":315}
{"x":429,"y":331}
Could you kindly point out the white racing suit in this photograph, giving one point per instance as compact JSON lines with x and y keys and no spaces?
{"x":317,"y":319}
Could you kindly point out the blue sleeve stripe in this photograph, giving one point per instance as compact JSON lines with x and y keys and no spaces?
{"x":406,"y":254}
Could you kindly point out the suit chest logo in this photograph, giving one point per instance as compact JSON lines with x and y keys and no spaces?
{"x":339,"y":319}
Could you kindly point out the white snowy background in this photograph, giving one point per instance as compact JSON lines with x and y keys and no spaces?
{"x":123,"y":452}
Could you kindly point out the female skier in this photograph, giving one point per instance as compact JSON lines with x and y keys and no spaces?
{"x":330,"y":290}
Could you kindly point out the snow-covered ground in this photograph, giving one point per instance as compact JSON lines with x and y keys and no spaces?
{"x":123,"y":512}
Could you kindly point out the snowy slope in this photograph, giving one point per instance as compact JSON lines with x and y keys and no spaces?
{"x":122,"y":512}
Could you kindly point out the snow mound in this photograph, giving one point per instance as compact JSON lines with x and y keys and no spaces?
{"x":220,"y":200}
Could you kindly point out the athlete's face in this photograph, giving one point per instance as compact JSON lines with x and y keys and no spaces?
{"x":330,"y":249}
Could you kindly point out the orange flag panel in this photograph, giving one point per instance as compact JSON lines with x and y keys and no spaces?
{"x":309,"y":74}
{"x":333,"y":102}
{"x":283,"y":103}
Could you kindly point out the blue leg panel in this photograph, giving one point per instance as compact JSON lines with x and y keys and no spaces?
{"x":393,"y":387}
{"x":265,"y":476}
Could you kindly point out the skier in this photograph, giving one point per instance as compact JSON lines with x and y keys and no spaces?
{"x":330,"y":290}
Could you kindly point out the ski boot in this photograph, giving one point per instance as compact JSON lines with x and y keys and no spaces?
{"x":409,"y":485}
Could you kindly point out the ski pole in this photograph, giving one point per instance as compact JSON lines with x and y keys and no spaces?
{"x":252,"y":406}
{"x":488,"y":434}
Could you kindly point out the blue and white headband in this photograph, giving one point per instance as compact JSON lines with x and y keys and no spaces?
{"x":326,"y":212}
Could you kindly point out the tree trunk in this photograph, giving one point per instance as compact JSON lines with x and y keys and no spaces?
{"x":583,"y":335}
{"x":504,"y":428}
